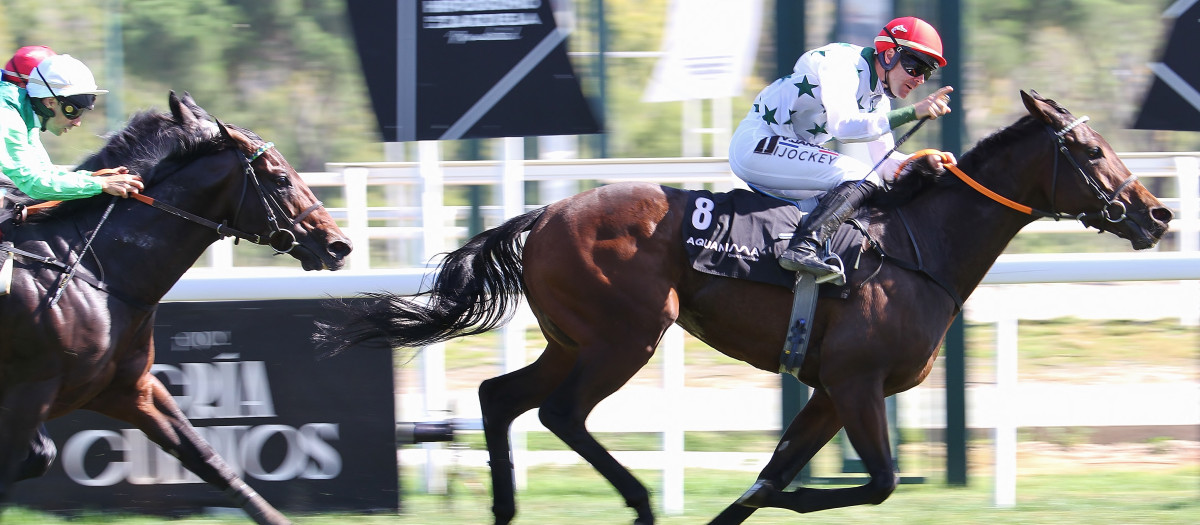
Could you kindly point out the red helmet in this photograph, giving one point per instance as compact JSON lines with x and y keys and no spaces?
{"x":23,"y":62}
{"x":914,"y":34}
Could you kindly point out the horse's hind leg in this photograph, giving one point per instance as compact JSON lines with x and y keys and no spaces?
{"x":151,"y":409}
{"x":502,"y":399}
{"x":597,"y":374}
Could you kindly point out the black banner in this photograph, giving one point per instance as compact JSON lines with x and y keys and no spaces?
{"x":1173,"y":101}
{"x":308,"y":435}
{"x":465,"y":69}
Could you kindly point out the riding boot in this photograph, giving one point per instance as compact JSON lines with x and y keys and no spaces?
{"x":834,"y":208}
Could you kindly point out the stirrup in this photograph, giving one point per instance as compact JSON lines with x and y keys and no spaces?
{"x":836,"y":278}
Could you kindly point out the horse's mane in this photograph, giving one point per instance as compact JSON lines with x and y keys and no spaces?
{"x":920,"y":177}
{"x":148,"y":140}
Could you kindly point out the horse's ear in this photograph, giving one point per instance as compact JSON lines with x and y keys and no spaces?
{"x":183,"y":115}
{"x":1038,"y":107}
{"x":224,"y":130}
{"x":198,"y":111}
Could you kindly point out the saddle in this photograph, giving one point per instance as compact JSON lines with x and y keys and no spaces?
{"x":740,"y":234}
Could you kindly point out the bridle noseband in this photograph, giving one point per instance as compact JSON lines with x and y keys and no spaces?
{"x":282,"y":240}
{"x":1112,"y":209}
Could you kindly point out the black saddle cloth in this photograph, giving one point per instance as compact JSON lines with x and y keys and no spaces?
{"x":741,"y":233}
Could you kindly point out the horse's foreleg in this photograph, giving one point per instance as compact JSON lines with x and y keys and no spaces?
{"x":808,"y":432}
{"x":501,"y":400}
{"x":861,"y":408}
{"x":25,"y":406}
{"x":41,"y":455}
{"x":152,"y":410}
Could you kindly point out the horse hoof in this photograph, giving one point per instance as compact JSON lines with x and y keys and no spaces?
{"x":756,"y":495}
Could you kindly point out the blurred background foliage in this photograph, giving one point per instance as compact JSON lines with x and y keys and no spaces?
{"x":287,"y":69}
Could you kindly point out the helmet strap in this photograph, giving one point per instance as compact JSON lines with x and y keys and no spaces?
{"x":39,"y":107}
{"x":887,"y":68}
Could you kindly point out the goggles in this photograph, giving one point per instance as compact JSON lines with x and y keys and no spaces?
{"x":914,"y":65}
{"x":73,"y":106}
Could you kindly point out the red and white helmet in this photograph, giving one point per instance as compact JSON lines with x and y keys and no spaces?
{"x":23,"y":61}
{"x":914,"y":34}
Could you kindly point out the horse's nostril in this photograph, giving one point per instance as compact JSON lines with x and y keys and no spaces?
{"x":340,"y":248}
{"x":1162,"y":214}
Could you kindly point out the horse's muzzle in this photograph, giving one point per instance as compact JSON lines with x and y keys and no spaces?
{"x":338,"y":249}
{"x":1158,"y":221}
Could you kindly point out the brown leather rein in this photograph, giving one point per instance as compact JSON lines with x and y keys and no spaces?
{"x":1112,"y":211}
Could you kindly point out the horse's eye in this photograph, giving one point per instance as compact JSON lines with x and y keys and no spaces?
{"x":1095,"y":152}
{"x":281,"y":179}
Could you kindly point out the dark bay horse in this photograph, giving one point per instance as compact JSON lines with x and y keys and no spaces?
{"x":606,"y":273}
{"x":88,"y":275}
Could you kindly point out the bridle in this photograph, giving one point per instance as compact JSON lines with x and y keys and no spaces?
{"x":280,"y":239}
{"x":1112,"y":209}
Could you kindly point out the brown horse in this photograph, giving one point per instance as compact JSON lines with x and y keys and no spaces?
{"x":606,"y":273}
{"x":77,"y":326}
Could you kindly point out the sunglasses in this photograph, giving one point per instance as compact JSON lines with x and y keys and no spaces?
{"x":73,"y":106}
{"x":915,"y":66}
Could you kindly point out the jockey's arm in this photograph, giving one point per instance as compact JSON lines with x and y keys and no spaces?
{"x":26,"y":163}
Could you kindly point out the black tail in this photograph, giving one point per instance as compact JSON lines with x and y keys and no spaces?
{"x":474,"y":291}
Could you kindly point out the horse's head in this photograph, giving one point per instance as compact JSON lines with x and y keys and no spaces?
{"x":280,"y":208}
{"x":230,"y":176}
{"x":1089,"y":181}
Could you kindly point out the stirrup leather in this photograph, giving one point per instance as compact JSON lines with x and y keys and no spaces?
{"x":6,"y":271}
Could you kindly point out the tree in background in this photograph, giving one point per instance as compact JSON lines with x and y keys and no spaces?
{"x":287,"y":68}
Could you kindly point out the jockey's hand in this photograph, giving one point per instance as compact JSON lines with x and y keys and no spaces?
{"x":934,"y":105}
{"x":939,"y":162}
{"x":119,"y":182}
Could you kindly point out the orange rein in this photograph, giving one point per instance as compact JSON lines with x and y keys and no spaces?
{"x":43,"y":206}
{"x":967,"y":179}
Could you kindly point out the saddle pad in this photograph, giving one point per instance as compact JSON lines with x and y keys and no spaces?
{"x":740,"y":234}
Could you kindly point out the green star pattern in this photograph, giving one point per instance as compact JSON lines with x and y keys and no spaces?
{"x":818,"y":129}
{"x":769,"y":116}
{"x":805,"y":87}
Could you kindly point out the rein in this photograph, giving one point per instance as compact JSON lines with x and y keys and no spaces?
{"x":282,"y":240}
{"x":1112,"y":211}
{"x":279,"y":239}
